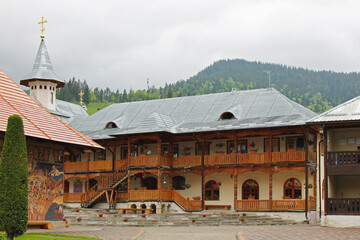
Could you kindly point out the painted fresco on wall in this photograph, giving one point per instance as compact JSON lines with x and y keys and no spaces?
{"x":46,"y":193}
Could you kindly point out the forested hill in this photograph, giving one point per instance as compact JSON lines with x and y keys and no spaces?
{"x":316,"y":90}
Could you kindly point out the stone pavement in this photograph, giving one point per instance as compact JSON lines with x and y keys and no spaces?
{"x":106,"y":233}
{"x":295,"y":232}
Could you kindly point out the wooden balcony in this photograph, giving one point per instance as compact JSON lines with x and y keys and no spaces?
{"x":343,"y":206}
{"x":72,"y":197}
{"x":183,"y":161}
{"x":103,"y":165}
{"x":343,"y":163}
{"x":245,"y":158}
{"x":274,"y":205}
{"x":149,"y":160}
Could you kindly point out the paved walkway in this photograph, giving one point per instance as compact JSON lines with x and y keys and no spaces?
{"x":106,"y":233}
{"x":295,"y":232}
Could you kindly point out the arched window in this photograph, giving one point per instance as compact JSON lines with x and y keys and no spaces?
{"x":66,"y":186}
{"x":178,"y":183}
{"x":292,"y":189}
{"x":110,"y":125}
{"x":45,"y":87}
{"x":250,"y":189}
{"x":40,"y":86}
{"x":212,"y":190}
{"x":78,"y":186}
{"x":227,"y":115}
{"x":150,"y":183}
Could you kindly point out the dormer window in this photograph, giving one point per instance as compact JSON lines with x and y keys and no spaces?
{"x":227,"y":115}
{"x":111,"y":125}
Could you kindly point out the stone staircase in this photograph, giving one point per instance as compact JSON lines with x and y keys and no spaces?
{"x":205,"y":218}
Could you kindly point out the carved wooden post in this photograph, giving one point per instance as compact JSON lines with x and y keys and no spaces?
{"x":159,"y":183}
{"x":129,"y":185}
{"x":235,"y":146}
{"x":270,"y":146}
{"x":270,"y":187}
{"x":113,"y":156}
{"x":170,"y":183}
{"x":129,"y":151}
{"x":171,"y":152}
{"x":159,"y":151}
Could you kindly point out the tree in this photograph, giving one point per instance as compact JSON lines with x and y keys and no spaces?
{"x":14,"y":180}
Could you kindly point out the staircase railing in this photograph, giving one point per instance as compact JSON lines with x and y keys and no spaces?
{"x":105,"y":183}
{"x":186,"y":203}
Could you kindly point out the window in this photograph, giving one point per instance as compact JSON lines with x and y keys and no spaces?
{"x":111,"y":125}
{"x":227,"y":115}
{"x":66,"y":186}
{"x":77,"y":186}
{"x":45,"y":87}
{"x":241,"y":147}
{"x":40,"y":87}
{"x":250,"y":189}
{"x":206,"y":149}
{"x":124,"y":152}
{"x":52,"y":98}
{"x":165,"y":150}
{"x":295,"y":143}
{"x":212,"y":190}
{"x":275,"y":143}
{"x":292,"y":189}
{"x":178,"y":182}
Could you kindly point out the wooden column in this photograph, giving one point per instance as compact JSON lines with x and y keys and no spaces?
{"x":314,"y":185}
{"x":235,"y":145}
{"x":113,"y":156}
{"x":129,"y":151}
{"x":87,"y":175}
{"x":270,"y":186}
{"x":235,"y":189}
{"x":270,"y":146}
{"x":306,"y":137}
{"x":171,"y":152}
{"x":159,"y":184}
{"x":129,"y":184}
{"x":170,"y":182}
{"x":159,"y":150}
{"x":202,"y":174}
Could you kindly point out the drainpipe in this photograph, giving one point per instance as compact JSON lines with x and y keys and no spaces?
{"x":306,"y":173}
{"x":319,"y":157}
{"x":202,"y":173}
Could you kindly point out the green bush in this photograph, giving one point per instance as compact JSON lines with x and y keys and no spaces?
{"x":14,"y":180}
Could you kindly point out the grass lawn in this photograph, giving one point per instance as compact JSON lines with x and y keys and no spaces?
{"x":48,"y":236}
{"x":93,"y":107}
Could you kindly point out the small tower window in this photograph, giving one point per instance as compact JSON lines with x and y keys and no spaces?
{"x":35,"y":87}
{"x":227,"y":115}
{"x":40,"y":87}
{"x":32,"y":87}
{"x":45,"y":87}
{"x":52,"y":98}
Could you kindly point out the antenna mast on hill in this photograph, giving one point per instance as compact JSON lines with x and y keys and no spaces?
{"x":269,"y":74}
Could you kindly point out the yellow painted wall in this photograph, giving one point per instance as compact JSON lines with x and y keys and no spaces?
{"x":280,"y":178}
{"x":260,"y":177}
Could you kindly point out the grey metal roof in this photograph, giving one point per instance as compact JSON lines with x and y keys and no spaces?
{"x":42,"y":68}
{"x":253,"y":109}
{"x":347,"y":111}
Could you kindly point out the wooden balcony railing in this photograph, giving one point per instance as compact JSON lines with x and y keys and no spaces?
{"x":182,"y":161}
{"x":165,"y":195}
{"x":343,"y":158}
{"x":274,"y":205}
{"x":72,"y":197}
{"x":102,"y":165}
{"x":343,"y":206}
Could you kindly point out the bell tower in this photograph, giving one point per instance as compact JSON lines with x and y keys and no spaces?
{"x":42,"y":80}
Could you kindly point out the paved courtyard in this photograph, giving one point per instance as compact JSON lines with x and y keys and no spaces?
{"x":296,"y":232}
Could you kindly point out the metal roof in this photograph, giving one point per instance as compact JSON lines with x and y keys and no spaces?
{"x":38,"y":122}
{"x":257,"y":108}
{"x":42,"y":69}
{"x":347,"y":111}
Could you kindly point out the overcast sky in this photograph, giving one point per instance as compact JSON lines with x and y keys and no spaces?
{"x":121,"y":43}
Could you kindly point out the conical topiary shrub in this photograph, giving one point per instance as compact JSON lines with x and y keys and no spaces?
{"x":14,"y":180}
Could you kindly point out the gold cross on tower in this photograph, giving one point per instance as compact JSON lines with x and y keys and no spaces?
{"x":81,"y":94}
{"x":42,"y":27}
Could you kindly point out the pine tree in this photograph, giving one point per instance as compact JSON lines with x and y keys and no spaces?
{"x":14,"y":180}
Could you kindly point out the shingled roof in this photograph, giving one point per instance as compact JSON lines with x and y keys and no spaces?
{"x":346,"y":112}
{"x":42,"y":69}
{"x":38,"y":122}
{"x":257,"y":108}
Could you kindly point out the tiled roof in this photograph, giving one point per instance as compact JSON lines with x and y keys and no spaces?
{"x":42,"y":69}
{"x":258,"y":108}
{"x":38,"y":122}
{"x":347,"y":111}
